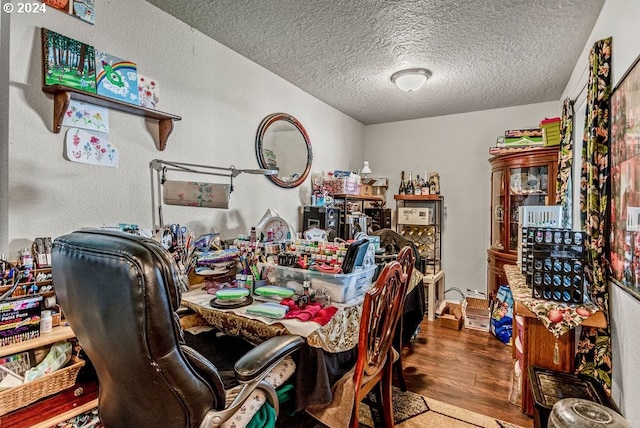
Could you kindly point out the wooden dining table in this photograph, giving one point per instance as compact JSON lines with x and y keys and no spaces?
{"x":329,"y":351}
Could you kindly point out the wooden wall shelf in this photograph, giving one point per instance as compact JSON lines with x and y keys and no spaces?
{"x":370,"y":198}
{"x":62,"y":95}
{"x":418,"y":197}
{"x":57,"y":334}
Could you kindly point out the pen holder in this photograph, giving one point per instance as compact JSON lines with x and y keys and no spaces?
{"x":259,"y":283}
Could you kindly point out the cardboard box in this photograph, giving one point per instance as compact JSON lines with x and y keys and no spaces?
{"x":451,"y":316}
{"x":366,"y":190}
{"x":19,"y":320}
{"x":477,"y":314}
{"x":418,"y":216}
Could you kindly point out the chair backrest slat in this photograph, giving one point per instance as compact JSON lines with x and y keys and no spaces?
{"x":407,"y":260}
{"x":381,"y":311}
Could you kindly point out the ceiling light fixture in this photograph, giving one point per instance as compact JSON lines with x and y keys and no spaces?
{"x":410,"y":79}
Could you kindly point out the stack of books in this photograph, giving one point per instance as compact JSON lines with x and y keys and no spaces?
{"x":521,"y":138}
{"x":518,"y":139}
{"x":551,"y":131}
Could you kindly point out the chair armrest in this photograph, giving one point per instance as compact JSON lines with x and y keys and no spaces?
{"x":260,"y":359}
{"x":184,"y":310}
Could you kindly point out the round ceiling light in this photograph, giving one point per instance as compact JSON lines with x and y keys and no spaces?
{"x":410,"y":79}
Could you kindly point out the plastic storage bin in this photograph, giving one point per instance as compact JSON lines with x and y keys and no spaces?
{"x":549,"y":387}
{"x":341,"y":287}
{"x":342,"y":185}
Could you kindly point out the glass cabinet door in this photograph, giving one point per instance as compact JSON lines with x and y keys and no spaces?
{"x":497,"y":209}
{"x":527,"y":186}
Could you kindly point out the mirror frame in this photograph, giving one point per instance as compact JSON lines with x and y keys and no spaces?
{"x":262,"y":129}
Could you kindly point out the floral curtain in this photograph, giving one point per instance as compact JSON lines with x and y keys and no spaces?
{"x":565,"y":163}
{"x":594,"y":350}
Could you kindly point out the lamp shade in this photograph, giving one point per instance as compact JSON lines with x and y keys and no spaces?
{"x":411,"y":79}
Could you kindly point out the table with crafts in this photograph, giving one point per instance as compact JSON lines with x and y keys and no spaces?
{"x":330,"y":349}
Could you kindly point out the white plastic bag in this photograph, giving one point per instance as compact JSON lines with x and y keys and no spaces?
{"x":58,"y":356}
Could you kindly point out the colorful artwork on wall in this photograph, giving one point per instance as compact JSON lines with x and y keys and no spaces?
{"x":116,"y":78}
{"x":90,"y":147}
{"x":148,"y":91}
{"x":63,"y":5}
{"x":86,"y":116}
{"x":83,"y":9}
{"x":68,"y":62}
{"x":624,"y":200}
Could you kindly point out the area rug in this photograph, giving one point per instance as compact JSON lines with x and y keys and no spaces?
{"x":410,"y":410}
{"x":413,"y":410}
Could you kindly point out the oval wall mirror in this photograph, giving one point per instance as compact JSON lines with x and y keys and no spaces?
{"x":282,"y":143}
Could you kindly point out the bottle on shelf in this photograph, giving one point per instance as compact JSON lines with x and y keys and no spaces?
{"x":46,"y":322}
{"x":417,"y":190}
{"x":26,"y":260}
{"x":401,"y":189}
{"x":424,"y":188}
{"x":409,"y":189}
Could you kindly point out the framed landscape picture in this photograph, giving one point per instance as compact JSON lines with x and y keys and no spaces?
{"x":116,"y":78}
{"x":68,"y":62}
{"x":624,"y":201}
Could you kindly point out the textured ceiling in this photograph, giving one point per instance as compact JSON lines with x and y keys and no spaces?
{"x":483,"y":54}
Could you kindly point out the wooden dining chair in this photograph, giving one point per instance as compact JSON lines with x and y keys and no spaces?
{"x":407,"y":259}
{"x":381,"y":310}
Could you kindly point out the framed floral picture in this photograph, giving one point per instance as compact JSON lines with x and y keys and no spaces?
{"x":148,"y":91}
{"x":624,"y":200}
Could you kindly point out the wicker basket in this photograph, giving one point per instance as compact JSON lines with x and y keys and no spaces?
{"x":23,"y":395}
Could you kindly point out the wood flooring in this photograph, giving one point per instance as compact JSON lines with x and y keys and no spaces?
{"x":465,"y":368}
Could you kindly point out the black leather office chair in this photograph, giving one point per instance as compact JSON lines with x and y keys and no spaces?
{"x":119,"y":293}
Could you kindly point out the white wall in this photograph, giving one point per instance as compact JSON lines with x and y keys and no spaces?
{"x":457,"y":146}
{"x":619,"y":19}
{"x":221,"y":96}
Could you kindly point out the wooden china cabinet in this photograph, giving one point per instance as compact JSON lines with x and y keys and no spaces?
{"x":518,"y":178}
